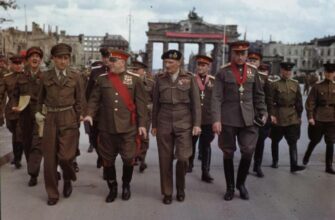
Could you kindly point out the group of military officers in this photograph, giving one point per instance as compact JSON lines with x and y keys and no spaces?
{"x":44,"y":112}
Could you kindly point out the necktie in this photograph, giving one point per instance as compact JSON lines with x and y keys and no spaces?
{"x":61,"y":76}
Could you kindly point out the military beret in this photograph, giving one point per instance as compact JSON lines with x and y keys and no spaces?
{"x":287,"y":65}
{"x":329,"y":67}
{"x":172,"y":54}
{"x":61,"y":49}
{"x":239,"y":45}
{"x":33,"y":50}
{"x":104,"y":52}
{"x":17,"y":59}
{"x":119,"y":54}
{"x":203,"y":59}
{"x":139,"y":65}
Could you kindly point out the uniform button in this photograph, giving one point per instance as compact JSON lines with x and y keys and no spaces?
{"x":116,"y":93}
{"x":241,"y":102}
{"x":115,"y":109}
{"x":116,"y":101}
{"x":202,"y":104}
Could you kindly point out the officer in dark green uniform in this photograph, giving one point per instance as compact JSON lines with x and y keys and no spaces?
{"x":320,"y":107}
{"x":285,"y":108}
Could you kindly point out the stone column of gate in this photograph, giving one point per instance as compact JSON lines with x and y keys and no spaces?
{"x":165,"y":48}
{"x":202,"y":48}
{"x":150,"y":47}
{"x":217,"y":56}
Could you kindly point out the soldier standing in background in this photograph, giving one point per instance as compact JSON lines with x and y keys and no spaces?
{"x":255,"y":58}
{"x":12,"y":117}
{"x":61,"y":92}
{"x":320,"y":107}
{"x":120,"y":99}
{"x":176,"y":117}
{"x":285,"y":109}
{"x":29,"y":87}
{"x":237,"y":100}
{"x":205,"y":84}
{"x":3,"y":71}
{"x":140,"y":69}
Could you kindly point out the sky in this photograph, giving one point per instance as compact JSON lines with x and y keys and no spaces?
{"x":289,"y":21}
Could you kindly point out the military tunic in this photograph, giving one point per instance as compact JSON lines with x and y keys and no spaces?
{"x":236,"y":111}
{"x":176,"y":109}
{"x":63,"y":100}
{"x":116,"y":131}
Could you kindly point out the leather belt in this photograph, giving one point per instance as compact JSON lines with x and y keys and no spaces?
{"x":58,"y":109}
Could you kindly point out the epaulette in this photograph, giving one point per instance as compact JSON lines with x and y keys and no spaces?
{"x":104,"y":74}
{"x":8,"y":74}
{"x":320,"y":81}
{"x":294,"y":80}
{"x":150,"y":79}
{"x":262,"y":73}
{"x":275,"y":80}
{"x":211,"y":77}
{"x":250,"y":65}
{"x":333,"y":81}
{"x":189,"y":73}
{"x":224,"y":66}
{"x":95,"y":67}
{"x":133,"y":74}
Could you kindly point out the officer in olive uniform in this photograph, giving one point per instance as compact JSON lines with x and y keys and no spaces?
{"x":29,"y":87}
{"x":205,"y":84}
{"x":12,"y":117}
{"x":176,"y":116}
{"x":61,"y":93}
{"x":140,"y":69}
{"x":320,"y":107}
{"x":121,"y":101}
{"x":237,"y":99}
{"x":255,"y":58}
{"x":285,"y":108}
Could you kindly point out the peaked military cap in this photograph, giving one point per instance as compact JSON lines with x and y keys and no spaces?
{"x":61,"y":49}
{"x":329,"y":67}
{"x":264,"y":67}
{"x":33,"y":50}
{"x":287,"y":65}
{"x":139,"y":65}
{"x":254,"y":53}
{"x":119,"y":54}
{"x":17,"y":59}
{"x":203,"y":59}
{"x":172,"y":54}
{"x":104,"y":52}
{"x":239,"y":45}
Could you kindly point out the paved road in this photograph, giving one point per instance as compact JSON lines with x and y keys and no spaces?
{"x":280,"y":195}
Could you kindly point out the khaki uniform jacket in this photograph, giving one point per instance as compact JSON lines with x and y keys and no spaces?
{"x":114,"y":116}
{"x":285,"y":102}
{"x":320,"y":103}
{"x":205,"y":101}
{"x":10,"y":81}
{"x":56,"y":94}
{"x":177,"y":96}
{"x":229,"y":107}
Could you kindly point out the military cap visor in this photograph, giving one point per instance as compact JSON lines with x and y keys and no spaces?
{"x":138,"y":65}
{"x":118,"y":54}
{"x":61,"y":49}
{"x":35,"y":50}
{"x":239,"y":45}
{"x":203,"y":59}
{"x":17,"y":59}
{"x":287,"y":65}
{"x":329,"y":67}
{"x":172,"y":54}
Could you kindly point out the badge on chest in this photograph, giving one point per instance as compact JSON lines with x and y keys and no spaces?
{"x":184,"y":81}
{"x":128,"y":80}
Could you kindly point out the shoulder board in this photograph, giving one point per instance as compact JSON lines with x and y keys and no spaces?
{"x":150,"y":79}
{"x":211,"y":77}
{"x":95,"y":67}
{"x":226,"y":65}
{"x":320,"y":81}
{"x":296,"y":81}
{"x":133,"y":74}
{"x":262,"y":73}
{"x":250,"y":65}
{"x":189,"y":73}
{"x":104,"y":74}
{"x":8,"y":74}
{"x":334,"y":81}
{"x":276,"y":80}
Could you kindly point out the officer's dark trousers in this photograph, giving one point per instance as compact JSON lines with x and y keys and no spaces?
{"x":263,"y":133}
{"x":291,"y":134}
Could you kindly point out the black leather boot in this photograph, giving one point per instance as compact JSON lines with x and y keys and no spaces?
{"x":275,"y":155}
{"x":205,"y":164}
{"x":329,"y":158}
{"x":32,"y":181}
{"x":258,"y":157}
{"x":294,"y":158}
{"x":110,"y":174}
{"x":126,"y":179}
{"x":242,"y":174}
{"x":308,"y":152}
{"x":67,"y":189}
{"x":230,"y":180}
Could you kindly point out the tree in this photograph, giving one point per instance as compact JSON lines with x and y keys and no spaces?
{"x":7,"y":4}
